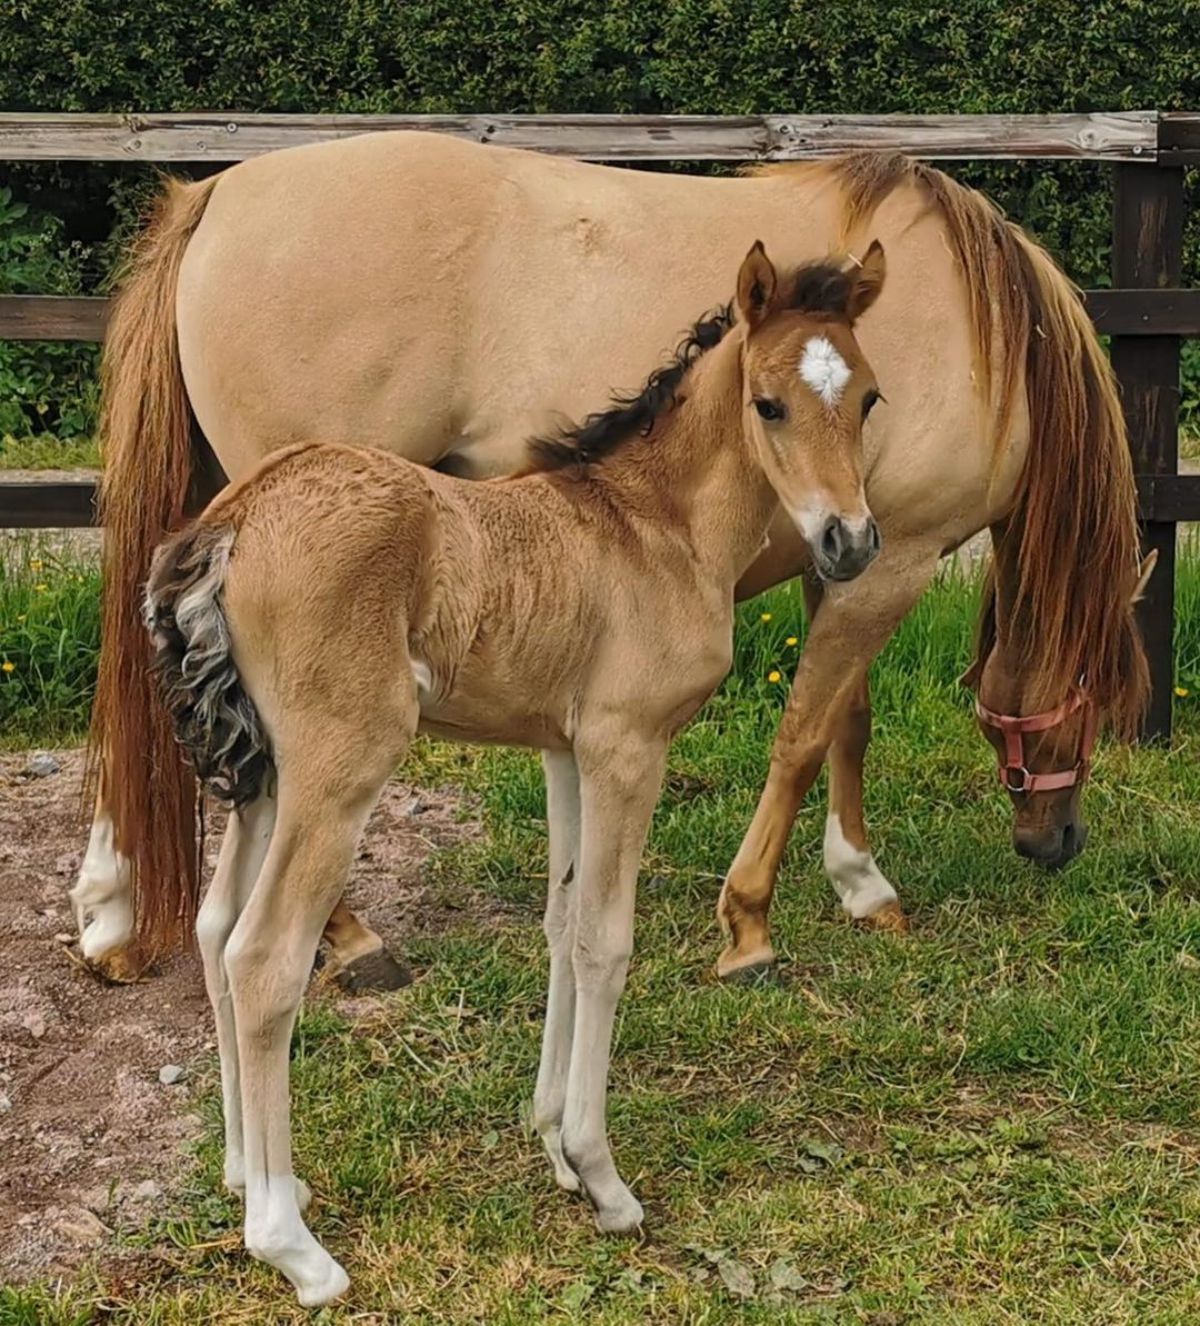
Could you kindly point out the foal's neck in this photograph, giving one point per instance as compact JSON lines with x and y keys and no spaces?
{"x":696,"y":473}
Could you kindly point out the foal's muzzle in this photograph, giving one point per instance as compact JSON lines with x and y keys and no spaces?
{"x":844,"y":550}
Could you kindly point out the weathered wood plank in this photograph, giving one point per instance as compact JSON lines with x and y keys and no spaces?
{"x":1145,"y":312}
{"x":52,"y":318}
{"x":1124,"y":135}
{"x":1115,"y":312}
{"x":71,"y":504}
{"x":56,"y":505}
{"x":1179,"y":138}
{"x":1169,"y":498}
{"x":1148,"y":218}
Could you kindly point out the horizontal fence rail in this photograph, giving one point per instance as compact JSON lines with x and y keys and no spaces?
{"x":1114,"y":312}
{"x":1101,"y":136}
{"x":1146,"y":313}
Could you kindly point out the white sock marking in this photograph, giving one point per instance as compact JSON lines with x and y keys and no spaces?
{"x":100,"y":898}
{"x":859,"y":882}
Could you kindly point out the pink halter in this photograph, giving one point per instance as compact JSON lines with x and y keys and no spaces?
{"x":1013,"y":773}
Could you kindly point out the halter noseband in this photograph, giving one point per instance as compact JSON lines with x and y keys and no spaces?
{"x":1013,"y":729}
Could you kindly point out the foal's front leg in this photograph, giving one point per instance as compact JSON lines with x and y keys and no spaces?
{"x":549,"y":1097}
{"x":619,"y":786}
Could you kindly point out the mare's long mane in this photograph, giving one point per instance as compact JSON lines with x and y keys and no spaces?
{"x":1074,"y":515}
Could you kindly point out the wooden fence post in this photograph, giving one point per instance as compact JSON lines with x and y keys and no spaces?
{"x":1148,"y":253}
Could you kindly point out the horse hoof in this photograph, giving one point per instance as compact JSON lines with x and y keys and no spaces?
{"x":734,"y":968}
{"x":124,"y":966}
{"x":889,"y":918}
{"x":765,"y":972}
{"x":373,"y":972}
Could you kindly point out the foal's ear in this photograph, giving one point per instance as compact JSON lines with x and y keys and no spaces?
{"x":757,"y":286}
{"x":1145,"y":571}
{"x":866,"y":281}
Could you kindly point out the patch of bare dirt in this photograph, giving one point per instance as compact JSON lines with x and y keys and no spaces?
{"x":90,"y":1137}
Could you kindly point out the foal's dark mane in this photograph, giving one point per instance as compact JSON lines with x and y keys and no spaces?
{"x":818,"y":288}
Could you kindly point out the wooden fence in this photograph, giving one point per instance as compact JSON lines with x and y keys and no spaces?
{"x":1145,"y":313}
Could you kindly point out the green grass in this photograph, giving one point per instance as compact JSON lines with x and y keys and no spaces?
{"x":48,"y":452}
{"x":993,"y":1120}
{"x":49,"y":641}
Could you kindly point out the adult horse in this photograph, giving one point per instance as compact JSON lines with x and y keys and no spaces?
{"x":289,"y":299}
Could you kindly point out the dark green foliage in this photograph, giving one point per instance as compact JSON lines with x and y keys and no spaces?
{"x":703,"y":56}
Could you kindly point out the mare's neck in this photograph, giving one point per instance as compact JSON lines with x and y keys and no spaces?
{"x":697,"y":472}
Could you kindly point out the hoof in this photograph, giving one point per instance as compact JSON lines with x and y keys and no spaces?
{"x":745,"y":968}
{"x":754,"y":973}
{"x":623,"y":1217}
{"x":889,"y":919}
{"x":374,"y":971}
{"x":124,"y":966}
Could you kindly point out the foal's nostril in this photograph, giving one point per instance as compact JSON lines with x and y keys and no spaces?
{"x":873,"y":539}
{"x":832,"y":539}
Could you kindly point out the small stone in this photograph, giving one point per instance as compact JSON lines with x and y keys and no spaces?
{"x":35,"y":1025}
{"x":169,"y":1074}
{"x":96,"y":1199}
{"x":64,"y":937}
{"x":82,"y":1226}
{"x":42,"y":765}
{"x":417,"y":806}
{"x":5,"y":1103}
{"x":147,"y":1191}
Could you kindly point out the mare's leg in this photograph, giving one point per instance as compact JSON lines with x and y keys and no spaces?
{"x":103,"y":903}
{"x":358,"y":959}
{"x":619,"y":785}
{"x":268,"y":959}
{"x":549,"y":1096}
{"x":854,"y":623}
{"x":865,"y":893}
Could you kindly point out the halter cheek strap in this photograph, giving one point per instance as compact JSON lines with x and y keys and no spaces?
{"x":1014,"y":774}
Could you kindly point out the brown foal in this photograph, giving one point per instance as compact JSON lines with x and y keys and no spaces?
{"x":319,"y":614}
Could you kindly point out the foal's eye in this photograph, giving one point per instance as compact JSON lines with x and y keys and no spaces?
{"x":869,"y":402}
{"x":772,"y":411}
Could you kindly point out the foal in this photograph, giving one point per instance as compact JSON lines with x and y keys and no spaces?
{"x":317,"y":616}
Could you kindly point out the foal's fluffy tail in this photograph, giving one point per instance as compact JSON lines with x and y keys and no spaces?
{"x":215,"y":720}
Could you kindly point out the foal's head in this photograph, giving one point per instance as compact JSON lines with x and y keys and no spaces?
{"x":808,"y":389}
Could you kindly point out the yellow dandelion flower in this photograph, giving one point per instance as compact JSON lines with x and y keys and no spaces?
{"x":35,"y":564}
{"x":1181,"y":691}
{"x":41,"y":589}
{"x":766,"y":616}
{"x":792,"y":640}
{"x":775,"y":675}
{"x":6,"y":666}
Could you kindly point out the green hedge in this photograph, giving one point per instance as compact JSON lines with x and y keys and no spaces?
{"x":736,"y":56}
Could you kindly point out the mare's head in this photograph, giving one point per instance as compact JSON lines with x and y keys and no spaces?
{"x":1042,"y":728}
{"x":808,"y":389}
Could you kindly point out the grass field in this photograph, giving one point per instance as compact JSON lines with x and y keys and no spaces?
{"x":993,"y":1120}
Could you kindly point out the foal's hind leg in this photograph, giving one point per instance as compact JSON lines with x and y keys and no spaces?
{"x":243,"y":850}
{"x":269,"y":957}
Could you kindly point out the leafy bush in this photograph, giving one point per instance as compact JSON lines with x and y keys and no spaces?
{"x":704,"y":56}
{"x":45,"y":386}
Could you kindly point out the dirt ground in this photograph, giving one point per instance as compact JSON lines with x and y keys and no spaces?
{"x":90,"y":1138}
